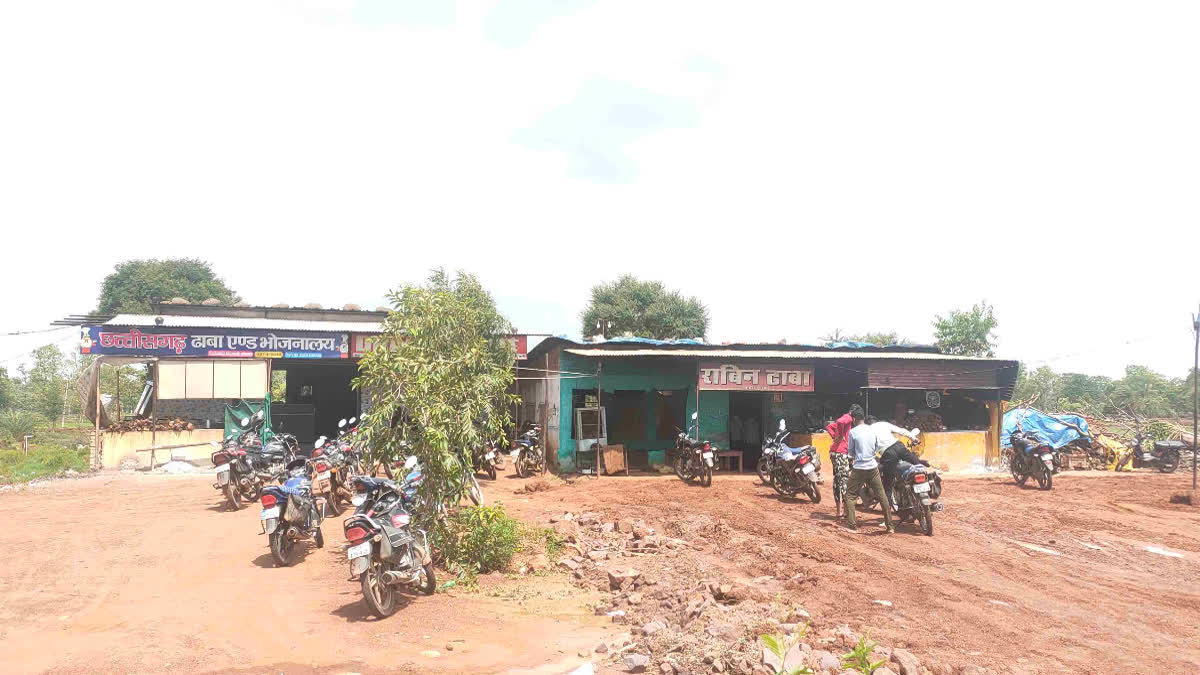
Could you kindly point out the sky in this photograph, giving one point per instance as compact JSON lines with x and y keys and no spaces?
{"x":799,"y":167}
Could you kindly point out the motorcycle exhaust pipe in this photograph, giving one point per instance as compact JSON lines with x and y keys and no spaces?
{"x":392,"y":577}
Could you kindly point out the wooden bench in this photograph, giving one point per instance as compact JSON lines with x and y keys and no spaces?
{"x":725,"y":460}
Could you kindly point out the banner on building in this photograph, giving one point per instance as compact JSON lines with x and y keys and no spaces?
{"x":756,"y":377}
{"x":233,"y":343}
{"x":521,"y":344}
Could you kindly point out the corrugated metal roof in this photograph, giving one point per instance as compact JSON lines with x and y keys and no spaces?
{"x":774,"y":354}
{"x":170,"y":321}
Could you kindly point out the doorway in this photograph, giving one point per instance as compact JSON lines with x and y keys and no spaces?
{"x":746,"y":425}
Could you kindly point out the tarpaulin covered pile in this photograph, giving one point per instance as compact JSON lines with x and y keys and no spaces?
{"x":1044,"y":426}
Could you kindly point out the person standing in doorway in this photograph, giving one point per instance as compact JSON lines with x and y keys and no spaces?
{"x":839,"y":433}
{"x":865,"y":471}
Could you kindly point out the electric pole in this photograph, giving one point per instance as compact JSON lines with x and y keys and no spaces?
{"x":1195,"y":395}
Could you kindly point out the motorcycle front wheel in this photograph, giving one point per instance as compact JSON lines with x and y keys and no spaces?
{"x":763,"y":467}
{"x":379,"y":597}
{"x":282,"y":547}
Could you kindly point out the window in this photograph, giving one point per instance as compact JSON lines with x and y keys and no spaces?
{"x":207,"y":379}
{"x":628,"y":409}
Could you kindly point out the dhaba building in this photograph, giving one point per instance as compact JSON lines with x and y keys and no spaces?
{"x":639,"y":393}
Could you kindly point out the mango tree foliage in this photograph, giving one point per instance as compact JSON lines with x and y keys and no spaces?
{"x":437,"y":380}
{"x":967,"y":332}
{"x":135,"y":283}
{"x":645,"y":309}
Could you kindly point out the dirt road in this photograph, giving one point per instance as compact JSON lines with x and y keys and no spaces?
{"x":139,"y":573}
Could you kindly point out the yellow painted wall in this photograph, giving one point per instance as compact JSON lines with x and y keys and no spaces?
{"x":947,"y":450}
{"x":118,"y":446}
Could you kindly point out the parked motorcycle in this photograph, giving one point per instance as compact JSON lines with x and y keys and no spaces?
{"x":243,"y":464}
{"x":290,"y":513}
{"x":766,"y":461}
{"x":484,"y":459}
{"x":1162,"y":455}
{"x":694,"y":458}
{"x":529,"y":456}
{"x":387,"y":549}
{"x":795,"y":470}
{"x":1031,"y":456}
{"x":916,"y":493}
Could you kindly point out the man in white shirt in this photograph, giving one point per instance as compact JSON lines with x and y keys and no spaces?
{"x":892,"y":451}
{"x":863,"y":439}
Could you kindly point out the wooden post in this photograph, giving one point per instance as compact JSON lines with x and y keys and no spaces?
{"x":546,"y":419}
{"x":96,"y":453}
{"x":599,"y":416}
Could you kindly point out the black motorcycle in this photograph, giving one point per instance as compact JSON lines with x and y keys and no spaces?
{"x":290,"y":512}
{"x":1031,"y":456}
{"x":529,"y":456}
{"x":693,"y":458}
{"x":387,"y":549}
{"x":795,"y":470}
{"x":244,"y":463}
{"x":1162,"y":455}
{"x":767,"y":460}
{"x":916,"y":492}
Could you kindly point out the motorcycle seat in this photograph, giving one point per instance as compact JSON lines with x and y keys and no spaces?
{"x":373,"y":484}
{"x":295,"y":486}
{"x":796,"y":450}
{"x":1169,"y":445}
{"x":907,"y":470}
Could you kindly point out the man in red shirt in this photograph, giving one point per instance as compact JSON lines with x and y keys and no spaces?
{"x":839,"y":432}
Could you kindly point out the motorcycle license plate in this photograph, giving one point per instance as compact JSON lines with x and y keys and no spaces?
{"x":921,"y":488}
{"x":223,"y":477}
{"x":358,"y":551}
{"x":809,"y":468}
{"x":224,"y":468}
{"x":708,"y":455}
{"x":491,"y":455}
{"x":272,"y":512}
{"x":1047,"y":457}
{"x":324,"y":475}
{"x":515,"y":454}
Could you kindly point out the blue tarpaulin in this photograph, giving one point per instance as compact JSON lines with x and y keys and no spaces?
{"x":1042,"y":425}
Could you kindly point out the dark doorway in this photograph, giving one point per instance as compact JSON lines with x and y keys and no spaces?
{"x":746,"y":425}
{"x":318,"y":395}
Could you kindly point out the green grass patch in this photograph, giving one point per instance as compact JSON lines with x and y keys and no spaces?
{"x":19,"y":467}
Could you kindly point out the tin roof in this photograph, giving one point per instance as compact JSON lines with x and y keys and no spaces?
{"x":174,"y":321}
{"x":773,"y":354}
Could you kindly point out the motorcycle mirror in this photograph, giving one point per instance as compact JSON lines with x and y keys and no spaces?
{"x":319,"y":443}
{"x":245,"y":422}
{"x":916,"y":432}
{"x":782,"y":425}
{"x":258,"y":415}
{"x":341,"y":422}
{"x":410,"y":462}
{"x":695,"y":415}
{"x":352,"y":420}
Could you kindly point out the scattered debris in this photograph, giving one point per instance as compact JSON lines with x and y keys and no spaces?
{"x":1039,"y":549}
{"x":1162,"y":551}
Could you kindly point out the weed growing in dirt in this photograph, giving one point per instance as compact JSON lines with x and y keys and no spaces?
{"x":17,"y":466}
{"x":780,"y":646}
{"x":478,"y":540}
{"x":533,"y":538}
{"x":859,"y":658}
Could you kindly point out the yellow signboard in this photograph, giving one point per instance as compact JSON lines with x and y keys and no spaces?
{"x":268,"y":355}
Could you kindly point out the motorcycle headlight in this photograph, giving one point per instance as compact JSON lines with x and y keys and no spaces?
{"x":358,"y":499}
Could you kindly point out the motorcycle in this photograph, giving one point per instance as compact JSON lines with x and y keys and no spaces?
{"x":694,"y":458}
{"x":795,"y":470}
{"x":529,"y":457}
{"x":766,"y":461}
{"x":1163,"y":455}
{"x":243,"y":464}
{"x":1031,"y":457}
{"x":485,"y":459}
{"x":331,"y":467}
{"x":916,"y":494}
{"x":291,"y":513}
{"x":387,"y":550}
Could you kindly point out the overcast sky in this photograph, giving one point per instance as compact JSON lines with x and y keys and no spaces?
{"x":800,"y":167}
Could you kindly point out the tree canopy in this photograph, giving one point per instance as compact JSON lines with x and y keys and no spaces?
{"x":878,"y":338}
{"x":967,"y":332}
{"x":442,"y":370}
{"x":1141,"y":391}
{"x":134,"y":283}
{"x":644,"y":309}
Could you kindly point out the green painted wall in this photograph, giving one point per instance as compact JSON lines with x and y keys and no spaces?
{"x":637,"y":374}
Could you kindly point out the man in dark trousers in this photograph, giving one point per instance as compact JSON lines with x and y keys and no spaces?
{"x":865,"y":471}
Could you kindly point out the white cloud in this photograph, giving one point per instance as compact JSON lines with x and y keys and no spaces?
{"x":861,"y":166}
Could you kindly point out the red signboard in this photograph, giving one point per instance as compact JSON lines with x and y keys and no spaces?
{"x":521,"y":344}
{"x":755,"y":377}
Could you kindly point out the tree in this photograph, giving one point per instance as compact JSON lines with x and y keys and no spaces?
{"x":1087,"y":394}
{"x":1145,"y":392}
{"x":134,"y":283}
{"x":879,"y":339}
{"x":967,"y":333}
{"x":439,"y":387}
{"x":7,"y":390}
{"x":46,"y":382}
{"x":645,"y":309}
{"x":1040,"y":388}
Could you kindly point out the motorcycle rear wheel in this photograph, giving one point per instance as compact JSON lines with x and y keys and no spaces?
{"x":866,"y":498}
{"x":379,"y":597}
{"x":491,"y":471}
{"x":779,"y":485}
{"x":1017,"y":475}
{"x":681,"y":467}
{"x":705,"y":476}
{"x":925,"y":519}
{"x":814,"y":492}
{"x":1169,"y":464}
{"x":282,"y":547}
{"x":333,"y":501}
{"x":522,"y":469}
{"x":232,"y":495}
{"x":1045,"y":479}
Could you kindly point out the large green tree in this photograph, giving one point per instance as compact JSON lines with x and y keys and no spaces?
{"x":967,"y":332}
{"x":1145,"y":392}
{"x":644,"y":309}
{"x":1039,"y":387}
{"x":46,"y":382}
{"x":135,"y":283}
{"x":878,"y":338}
{"x":7,"y":390}
{"x":438,"y":385}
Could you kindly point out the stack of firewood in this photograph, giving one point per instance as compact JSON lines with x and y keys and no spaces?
{"x":143,"y":424}
{"x":925,"y":421}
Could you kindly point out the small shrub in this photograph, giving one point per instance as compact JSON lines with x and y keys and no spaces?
{"x":478,"y":540}
{"x":780,"y":646}
{"x":17,"y":424}
{"x":859,"y":658}
{"x":17,"y":466}
{"x":542,"y":538}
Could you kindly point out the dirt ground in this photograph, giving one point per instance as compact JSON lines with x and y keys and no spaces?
{"x":149,"y":573}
